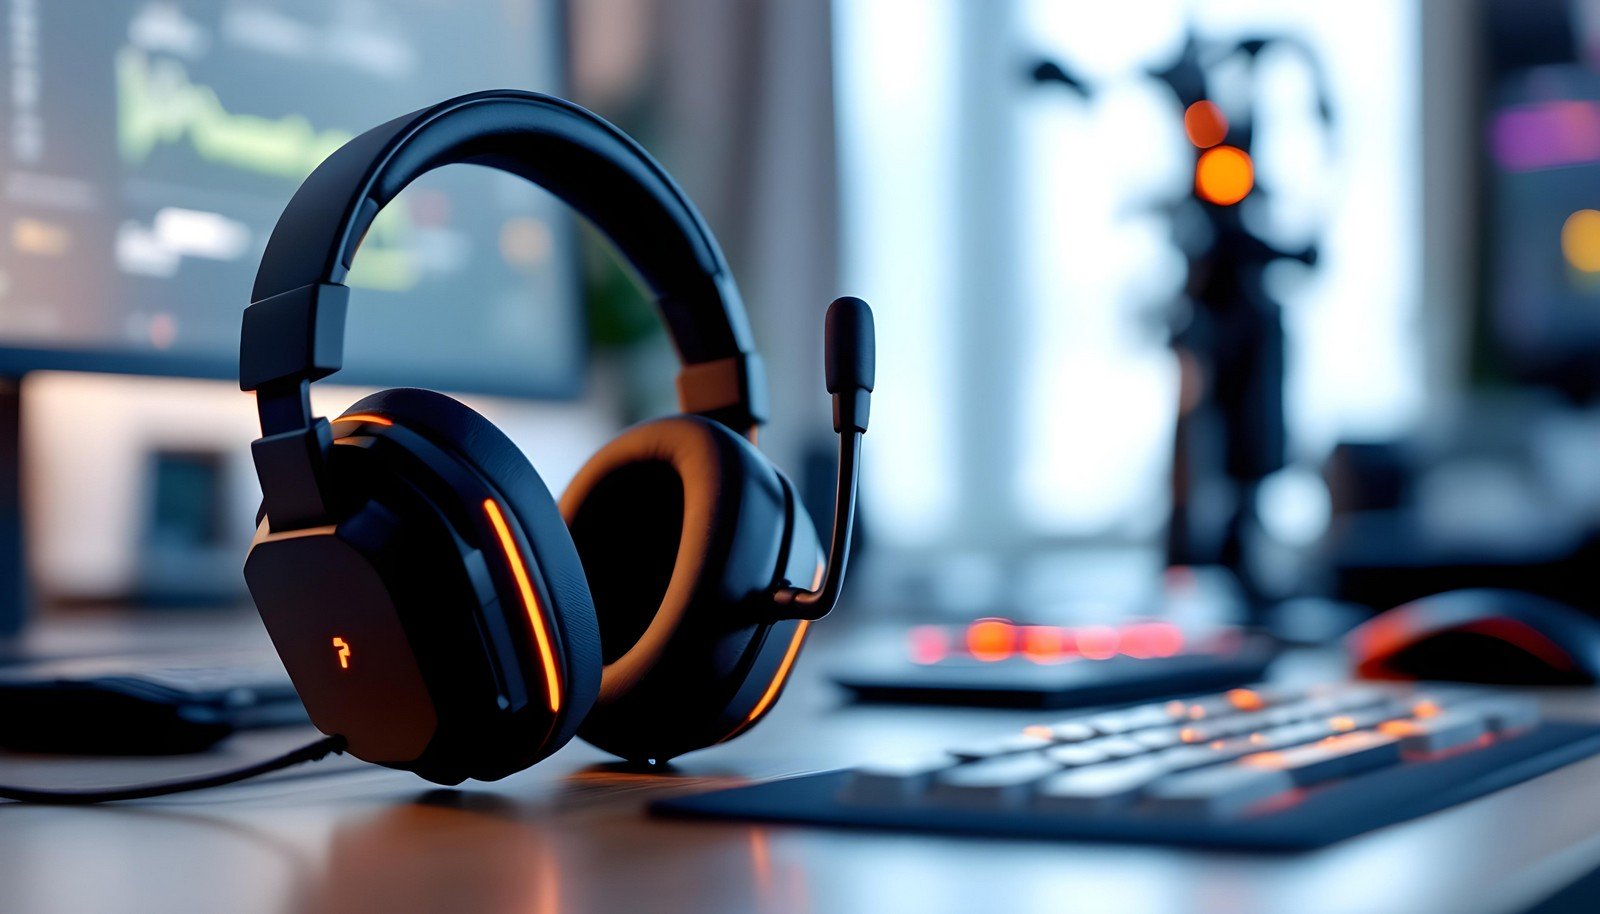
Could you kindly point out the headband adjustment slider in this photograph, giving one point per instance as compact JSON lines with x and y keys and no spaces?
{"x":731,"y":390}
{"x":298,"y":334}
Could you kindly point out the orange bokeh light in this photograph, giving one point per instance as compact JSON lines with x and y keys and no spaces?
{"x":928,"y":644}
{"x":1045,"y":643}
{"x":991,"y":639}
{"x":1098,"y":642}
{"x":1245,"y":700}
{"x":1205,"y":124}
{"x":1224,"y":175}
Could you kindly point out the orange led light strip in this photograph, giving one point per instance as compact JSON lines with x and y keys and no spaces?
{"x":773,"y":687}
{"x":365,"y":417}
{"x":529,"y":601}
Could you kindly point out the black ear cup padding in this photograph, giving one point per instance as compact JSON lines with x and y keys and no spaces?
{"x":677,"y":521}
{"x":454,"y":425}
{"x":633,"y":521}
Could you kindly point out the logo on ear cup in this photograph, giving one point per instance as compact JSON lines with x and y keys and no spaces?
{"x":343,"y":647}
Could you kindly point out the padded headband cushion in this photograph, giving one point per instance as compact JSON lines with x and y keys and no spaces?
{"x":673,"y":513}
{"x":453,"y":425}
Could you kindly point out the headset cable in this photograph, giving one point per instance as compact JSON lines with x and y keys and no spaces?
{"x":322,"y":748}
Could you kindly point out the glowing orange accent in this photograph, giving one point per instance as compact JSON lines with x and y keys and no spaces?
{"x":1257,"y":739}
{"x":1245,"y":700}
{"x":372,"y":418}
{"x":343,"y":647}
{"x":771,"y":694}
{"x":1190,"y":735}
{"x":1342,"y":723}
{"x":1197,"y":713}
{"x":530,"y":603}
{"x":1425,"y":708}
{"x":1205,"y":124}
{"x":1045,"y":643}
{"x":1397,"y":727}
{"x":1176,"y":709}
{"x":928,"y":644}
{"x":1217,"y":744}
{"x":1224,"y":175}
{"x":991,"y":639}
{"x":1098,"y":642}
{"x":1265,"y":760}
{"x":1038,"y":731}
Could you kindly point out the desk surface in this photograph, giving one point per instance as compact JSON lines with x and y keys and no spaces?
{"x":571,"y":834}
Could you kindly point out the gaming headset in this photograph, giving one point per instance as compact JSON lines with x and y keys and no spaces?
{"x":434,"y":606}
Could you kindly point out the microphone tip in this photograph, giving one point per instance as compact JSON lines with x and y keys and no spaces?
{"x":851,"y":359}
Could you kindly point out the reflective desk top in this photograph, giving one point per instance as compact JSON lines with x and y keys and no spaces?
{"x":572,"y":834}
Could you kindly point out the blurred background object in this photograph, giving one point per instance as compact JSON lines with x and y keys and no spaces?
{"x":1112,"y":387}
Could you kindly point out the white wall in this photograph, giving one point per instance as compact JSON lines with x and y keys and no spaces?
{"x":87,"y":440}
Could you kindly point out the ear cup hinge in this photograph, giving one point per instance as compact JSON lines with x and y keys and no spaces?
{"x":732,"y":391}
{"x":298,"y":334}
{"x":293,"y":468}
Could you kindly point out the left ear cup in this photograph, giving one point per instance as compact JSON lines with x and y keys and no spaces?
{"x":678,"y":522}
{"x":547,"y":547}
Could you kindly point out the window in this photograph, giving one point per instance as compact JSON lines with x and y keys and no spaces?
{"x":1009,"y":235}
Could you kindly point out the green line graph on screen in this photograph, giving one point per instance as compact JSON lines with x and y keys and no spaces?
{"x":158,"y":105}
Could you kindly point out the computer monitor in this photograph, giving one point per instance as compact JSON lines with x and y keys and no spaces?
{"x":148,"y":147}
{"x":1539,"y":120}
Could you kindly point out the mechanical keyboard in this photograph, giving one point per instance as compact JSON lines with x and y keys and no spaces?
{"x":1257,"y":768}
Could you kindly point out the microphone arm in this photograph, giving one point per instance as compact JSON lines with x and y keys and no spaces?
{"x":850,"y":372}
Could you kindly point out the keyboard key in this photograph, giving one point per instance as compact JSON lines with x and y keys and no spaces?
{"x":1072,"y":731}
{"x":1333,"y":757}
{"x":1097,"y":788}
{"x":992,"y":783}
{"x":896,"y":780}
{"x":1005,"y":745}
{"x":1118,"y":722}
{"x":1117,"y":747}
{"x":1147,"y":716}
{"x":1076,"y":755}
{"x":1505,"y":715}
{"x":1308,"y":731}
{"x":1157,"y":738}
{"x":1447,"y":730}
{"x":1219,"y":792}
{"x":1294,"y":712}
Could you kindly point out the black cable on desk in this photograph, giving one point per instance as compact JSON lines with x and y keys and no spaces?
{"x":322,"y":748}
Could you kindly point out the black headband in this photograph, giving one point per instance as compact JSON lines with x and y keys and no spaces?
{"x":294,"y":328}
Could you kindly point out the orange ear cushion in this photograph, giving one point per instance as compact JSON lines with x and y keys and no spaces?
{"x":455,"y":426}
{"x":675,"y":517}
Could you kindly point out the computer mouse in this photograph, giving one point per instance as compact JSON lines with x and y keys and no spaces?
{"x":1504,"y":637}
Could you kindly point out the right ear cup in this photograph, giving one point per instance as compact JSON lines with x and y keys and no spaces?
{"x":678,"y":522}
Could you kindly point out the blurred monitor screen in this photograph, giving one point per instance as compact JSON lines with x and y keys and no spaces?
{"x":1541,"y":129}
{"x":150,"y":146}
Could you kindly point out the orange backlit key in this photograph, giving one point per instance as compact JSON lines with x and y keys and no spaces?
{"x":1435,"y":734}
{"x":1333,"y":757}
